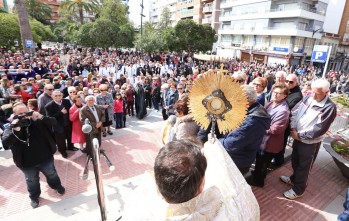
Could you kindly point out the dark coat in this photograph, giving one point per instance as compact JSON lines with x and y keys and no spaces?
{"x":243,"y":143}
{"x":41,"y":147}
{"x":54,"y":110}
{"x":294,"y":97}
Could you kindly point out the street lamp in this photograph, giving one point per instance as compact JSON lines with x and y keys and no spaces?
{"x":142,"y":15}
{"x":320,"y":30}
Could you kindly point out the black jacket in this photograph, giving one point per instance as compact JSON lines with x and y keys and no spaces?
{"x":294,"y":97}
{"x":54,"y":110}
{"x":41,"y":143}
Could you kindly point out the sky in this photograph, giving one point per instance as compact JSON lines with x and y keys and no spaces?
{"x":135,"y":10}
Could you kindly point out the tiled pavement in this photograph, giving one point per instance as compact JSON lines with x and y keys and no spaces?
{"x":132,"y":151}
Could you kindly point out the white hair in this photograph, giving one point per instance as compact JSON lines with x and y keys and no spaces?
{"x":88,"y":97}
{"x":250,"y":93}
{"x":71,"y":88}
{"x":283,"y":73}
{"x":321,"y":83}
{"x":165,"y":85}
{"x":239,"y":74}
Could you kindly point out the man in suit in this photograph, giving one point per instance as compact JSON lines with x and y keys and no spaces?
{"x":95,"y":114}
{"x":59,"y":109}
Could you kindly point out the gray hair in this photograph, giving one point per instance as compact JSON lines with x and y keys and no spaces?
{"x":71,"y":88}
{"x":282,"y":73}
{"x":250,"y":93}
{"x":321,"y":83}
{"x":172,"y":120}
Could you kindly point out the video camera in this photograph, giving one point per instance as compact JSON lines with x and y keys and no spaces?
{"x":22,"y":120}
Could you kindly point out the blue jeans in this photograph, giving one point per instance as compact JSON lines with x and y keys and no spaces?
{"x":32,"y":177}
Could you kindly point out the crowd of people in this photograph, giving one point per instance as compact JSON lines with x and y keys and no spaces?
{"x":65,"y":87}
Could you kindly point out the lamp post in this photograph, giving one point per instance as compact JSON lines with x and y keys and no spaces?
{"x":142,"y":15}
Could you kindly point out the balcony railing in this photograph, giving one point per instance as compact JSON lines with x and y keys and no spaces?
{"x":207,"y":9}
{"x":206,"y":20}
{"x":300,"y":7}
{"x":186,"y":11}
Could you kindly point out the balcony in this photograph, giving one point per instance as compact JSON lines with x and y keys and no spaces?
{"x":186,"y":11}
{"x":345,"y":41}
{"x":207,"y":9}
{"x":207,"y":20}
{"x":274,"y":31}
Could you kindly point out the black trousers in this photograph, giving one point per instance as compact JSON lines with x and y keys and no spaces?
{"x":263,"y":161}
{"x":63,"y":140}
{"x":303,"y":158}
{"x":279,"y":158}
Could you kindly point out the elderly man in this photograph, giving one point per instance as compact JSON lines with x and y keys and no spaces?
{"x":59,"y":109}
{"x":243,"y":143}
{"x":310,"y":120}
{"x":45,"y":98}
{"x":280,"y":76}
{"x":95,"y":114}
{"x":292,"y":99}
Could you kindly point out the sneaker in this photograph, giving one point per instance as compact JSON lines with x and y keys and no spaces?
{"x":35,"y":203}
{"x":291,"y":195}
{"x":286,"y":180}
{"x":60,"y":190}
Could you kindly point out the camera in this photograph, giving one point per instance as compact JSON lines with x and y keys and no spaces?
{"x":22,"y":120}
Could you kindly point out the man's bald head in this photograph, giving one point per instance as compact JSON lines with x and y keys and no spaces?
{"x":291,"y":81}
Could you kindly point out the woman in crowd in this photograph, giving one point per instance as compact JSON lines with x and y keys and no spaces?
{"x":185,"y":125}
{"x":274,"y":137}
{"x":147,"y":89}
{"x":77,"y":134}
{"x":170,"y":99}
{"x":259,"y":84}
{"x":33,"y":104}
{"x":105,"y":99}
{"x":118,"y":110}
{"x":6,"y":90}
{"x":130,"y":100}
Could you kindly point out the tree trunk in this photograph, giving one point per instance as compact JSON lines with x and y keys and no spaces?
{"x":26,"y":33}
{"x":81,"y":14}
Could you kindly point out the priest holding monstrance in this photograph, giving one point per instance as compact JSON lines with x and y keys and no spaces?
{"x":191,"y":182}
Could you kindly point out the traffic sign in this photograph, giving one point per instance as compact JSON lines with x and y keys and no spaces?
{"x":29,"y":43}
{"x":320,"y":53}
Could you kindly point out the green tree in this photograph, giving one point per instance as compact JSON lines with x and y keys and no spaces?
{"x":80,"y":6}
{"x":115,"y":11}
{"x":105,"y":33}
{"x":9,"y":30}
{"x":151,"y":40}
{"x":25,"y":30}
{"x":84,"y":36}
{"x":38,"y":10}
{"x":194,"y":37}
{"x":165,"y":19}
{"x":126,"y":36}
{"x":65,"y":29}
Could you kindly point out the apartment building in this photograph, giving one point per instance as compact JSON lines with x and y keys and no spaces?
{"x":274,"y":31}
{"x":201,"y":11}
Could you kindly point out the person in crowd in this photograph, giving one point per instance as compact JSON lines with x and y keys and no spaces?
{"x":156,"y":94}
{"x":33,"y":146}
{"x":170,"y":99}
{"x":105,"y":100}
{"x":45,"y":98}
{"x":181,"y":90}
{"x":184,"y":186}
{"x":168,"y":131}
{"x":292,"y":99}
{"x":33,"y":105}
{"x":130,"y":100}
{"x":6,"y":90}
{"x":147,"y":89}
{"x":77,"y":134}
{"x":96,"y":116}
{"x":185,"y":125}
{"x":259,"y":84}
{"x":124,"y":107}
{"x":72,"y":93}
{"x":280,"y":76}
{"x":239,"y":77}
{"x":118,"y":110}
{"x":59,"y":109}
{"x":164,"y":91}
{"x":18,"y":90}
{"x":243,"y":143}
{"x":141,"y":110}
{"x":68,"y":83}
{"x":274,"y":137}
{"x":310,"y":120}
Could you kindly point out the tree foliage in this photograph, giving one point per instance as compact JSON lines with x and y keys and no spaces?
{"x":9,"y":31}
{"x":194,"y":37}
{"x":79,"y":7}
{"x":38,"y":10}
{"x":115,"y":11}
{"x":165,"y":19}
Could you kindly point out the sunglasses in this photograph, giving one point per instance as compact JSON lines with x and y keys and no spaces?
{"x":51,"y":89}
{"x":239,"y":81}
{"x":291,"y":82}
{"x":72,"y":92}
{"x":102,"y":90}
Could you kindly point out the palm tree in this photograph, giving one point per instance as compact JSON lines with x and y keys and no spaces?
{"x":38,"y":10}
{"x":74,"y":6}
{"x":26,"y":33}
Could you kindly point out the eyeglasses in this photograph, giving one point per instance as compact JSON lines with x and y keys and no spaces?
{"x":103,"y":90}
{"x":59,"y":95}
{"x":239,"y":81}
{"x":179,"y":88}
{"x":278,"y":93}
{"x":50,"y":89}
{"x":72,"y":92}
{"x":290,"y":82}
{"x":257,"y":85}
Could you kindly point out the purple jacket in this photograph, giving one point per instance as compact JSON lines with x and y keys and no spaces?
{"x":274,"y":137}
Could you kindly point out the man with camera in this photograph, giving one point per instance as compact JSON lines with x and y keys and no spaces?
{"x":59,"y":109}
{"x":33,"y":146}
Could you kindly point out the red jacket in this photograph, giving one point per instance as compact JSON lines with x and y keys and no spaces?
{"x":118,"y":106}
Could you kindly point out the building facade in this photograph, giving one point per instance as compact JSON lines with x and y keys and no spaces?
{"x":274,"y":31}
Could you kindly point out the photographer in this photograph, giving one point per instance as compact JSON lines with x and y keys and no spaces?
{"x":33,"y":147}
